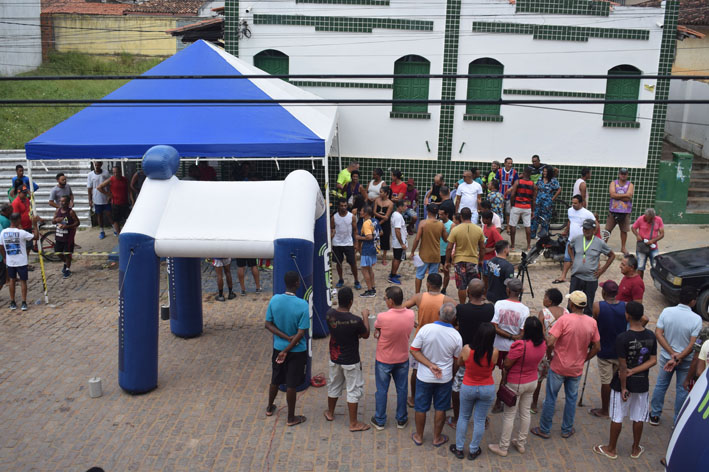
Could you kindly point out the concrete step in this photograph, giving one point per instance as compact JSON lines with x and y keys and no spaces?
{"x":698,"y":191}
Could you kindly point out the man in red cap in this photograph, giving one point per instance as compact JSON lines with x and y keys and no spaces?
{"x":411,"y":199}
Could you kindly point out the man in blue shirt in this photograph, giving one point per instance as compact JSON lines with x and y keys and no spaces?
{"x":21,"y":176}
{"x":288,"y":318}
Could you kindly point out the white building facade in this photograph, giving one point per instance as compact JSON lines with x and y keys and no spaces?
{"x":21,"y":46}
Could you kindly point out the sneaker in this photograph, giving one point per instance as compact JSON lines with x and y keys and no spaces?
{"x":24,"y":306}
{"x":376,"y":425}
{"x":231,"y":295}
{"x":259,"y":290}
{"x":243,"y":292}
{"x":340,"y":284}
{"x":402,"y":424}
{"x":67,"y":274}
{"x":101,"y":235}
{"x":115,"y":233}
{"x":368,"y":294}
{"x":654,"y":420}
{"x":219,"y":298}
{"x":394,"y":280}
{"x":13,"y":305}
{"x":358,"y":286}
{"x":268,"y":267}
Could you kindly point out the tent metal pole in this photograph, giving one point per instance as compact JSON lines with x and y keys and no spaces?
{"x":33,"y":212}
{"x":339,"y":156}
{"x":327,"y":207}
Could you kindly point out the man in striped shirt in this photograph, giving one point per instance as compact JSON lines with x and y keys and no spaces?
{"x":507,"y":177}
{"x":522,"y":197}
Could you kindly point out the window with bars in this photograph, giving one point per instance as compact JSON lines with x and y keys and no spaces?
{"x":484,"y":88}
{"x":622,"y":89}
{"x":272,"y":61}
{"x":405,"y":88}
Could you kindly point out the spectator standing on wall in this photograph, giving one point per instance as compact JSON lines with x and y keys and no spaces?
{"x":99,"y":199}
{"x":60,"y":190}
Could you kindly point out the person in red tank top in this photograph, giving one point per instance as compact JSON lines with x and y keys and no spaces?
{"x":119,"y":198}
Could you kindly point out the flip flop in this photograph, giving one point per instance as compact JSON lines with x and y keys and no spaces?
{"x":325,"y":413}
{"x":298,"y":420}
{"x":445,"y":440}
{"x":450,"y":422}
{"x":595,"y":412}
{"x":270,"y":410}
{"x":538,"y":432}
{"x":599,"y":450}
{"x":363,"y":427}
{"x":418,"y":443}
{"x":559,"y":281}
{"x":637,"y":456}
{"x":569,"y":434}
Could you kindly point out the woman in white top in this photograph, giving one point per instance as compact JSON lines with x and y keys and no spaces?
{"x":375,"y":185}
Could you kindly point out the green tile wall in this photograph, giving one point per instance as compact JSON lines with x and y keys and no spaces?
{"x":315,"y":83}
{"x":564,"y":7}
{"x":411,"y":116}
{"x":553,"y":93}
{"x":347,"y":2}
{"x":621,"y":124}
{"x":491,"y":118}
{"x":560,"y":32}
{"x":344,"y":23}
{"x":450,"y":66}
{"x":231,"y":27}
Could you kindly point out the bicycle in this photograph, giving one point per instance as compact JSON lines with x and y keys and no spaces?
{"x":47,"y":241}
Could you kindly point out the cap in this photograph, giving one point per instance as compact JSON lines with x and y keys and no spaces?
{"x":610,"y":287}
{"x":623,"y":170}
{"x":578,"y":298}
{"x":410,"y":182}
{"x":23,"y":188}
{"x":589,"y":224}
{"x":514,"y":284}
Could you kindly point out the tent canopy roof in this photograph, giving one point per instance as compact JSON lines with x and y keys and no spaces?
{"x":106,"y":131}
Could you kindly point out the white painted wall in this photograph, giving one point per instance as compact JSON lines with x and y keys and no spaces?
{"x":688,"y":124}
{"x":21,"y":47}
{"x":558,"y":136}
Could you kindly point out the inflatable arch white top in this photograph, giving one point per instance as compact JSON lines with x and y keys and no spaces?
{"x":226,"y":219}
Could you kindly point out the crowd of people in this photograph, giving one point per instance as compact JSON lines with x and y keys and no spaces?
{"x":444,"y":355}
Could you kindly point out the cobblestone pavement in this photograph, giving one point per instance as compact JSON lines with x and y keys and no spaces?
{"x":208,"y":411}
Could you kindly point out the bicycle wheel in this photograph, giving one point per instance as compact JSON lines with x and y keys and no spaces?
{"x":47,"y":241}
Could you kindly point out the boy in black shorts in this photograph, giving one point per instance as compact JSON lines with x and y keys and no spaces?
{"x":241,"y":273}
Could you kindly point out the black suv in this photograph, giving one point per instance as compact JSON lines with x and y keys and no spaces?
{"x":678,"y":269}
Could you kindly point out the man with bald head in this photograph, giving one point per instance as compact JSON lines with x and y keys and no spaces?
{"x":469,"y":195}
{"x":470,"y":316}
{"x":434,"y":193}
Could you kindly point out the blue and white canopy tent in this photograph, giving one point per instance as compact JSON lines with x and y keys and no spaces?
{"x":243,"y":132}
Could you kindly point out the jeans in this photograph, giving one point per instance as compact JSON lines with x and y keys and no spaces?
{"x":475,"y":401}
{"x":663,"y":382}
{"x":383,"y":373}
{"x":525,"y":392}
{"x":587,"y":287}
{"x":571,"y":390}
{"x":642,"y":258}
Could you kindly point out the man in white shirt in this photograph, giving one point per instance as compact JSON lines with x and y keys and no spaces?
{"x":14,"y":253}
{"x":574,"y":227}
{"x":508,"y":321}
{"x":469,"y":195}
{"x":343,"y":225}
{"x":398,"y":240}
{"x":99,"y":199}
{"x":435,"y":347}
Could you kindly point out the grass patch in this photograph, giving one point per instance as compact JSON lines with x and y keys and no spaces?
{"x":21,"y":124}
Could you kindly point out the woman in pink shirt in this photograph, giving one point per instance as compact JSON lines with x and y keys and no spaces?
{"x":521,"y":365}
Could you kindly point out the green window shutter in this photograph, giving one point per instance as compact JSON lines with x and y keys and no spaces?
{"x":622,"y":89}
{"x":416,"y":89}
{"x":484,"y":88}
{"x":273,"y":62}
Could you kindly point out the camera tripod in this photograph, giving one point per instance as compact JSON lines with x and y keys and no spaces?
{"x":523,"y":272}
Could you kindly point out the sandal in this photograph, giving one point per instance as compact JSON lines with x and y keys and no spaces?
{"x":637,"y":456}
{"x":538,"y":432}
{"x":298,"y":420}
{"x":456,"y":452}
{"x":418,"y":443}
{"x":361,"y":427}
{"x":445,"y":440}
{"x":569,"y":434}
{"x":559,"y":281}
{"x":270,"y":410}
{"x":599,"y":450}
{"x":326,"y":413}
{"x":450,"y":422}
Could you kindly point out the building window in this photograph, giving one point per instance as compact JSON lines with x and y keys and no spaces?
{"x":484,"y":88}
{"x":411,"y":88}
{"x":272,"y":61}
{"x":622,"y":89}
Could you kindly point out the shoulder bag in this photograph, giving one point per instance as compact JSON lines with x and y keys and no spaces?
{"x":505,"y":394}
{"x":643,"y":248}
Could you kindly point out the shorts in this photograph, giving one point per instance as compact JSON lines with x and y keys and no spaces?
{"x":292,"y":371}
{"x":367,"y":261}
{"x":508,"y":206}
{"x":566,"y":252}
{"x":439,"y":393}
{"x":485,"y":268}
{"x":413,"y":363}
{"x":100,"y":209}
{"x":348,"y":376}
{"x":642,"y":258}
{"x":458,"y":379}
{"x":443,"y":260}
{"x":430,"y":267}
{"x":621,"y":219}
{"x":246,"y":262}
{"x":524,"y":213}
{"x":17,"y":272}
{"x":398,"y":253}
{"x":637,"y":407}
{"x":221,"y":262}
{"x":64,"y":246}
{"x":119,"y":213}
{"x":606,"y":369}
{"x":344,"y":253}
{"x":408,"y":214}
{"x":465,"y":272}
{"x":501,"y":359}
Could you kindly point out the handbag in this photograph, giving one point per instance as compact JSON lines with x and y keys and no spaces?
{"x":505,"y":394}
{"x":643,"y":248}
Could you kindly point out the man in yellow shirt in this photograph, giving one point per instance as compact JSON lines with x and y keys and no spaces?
{"x":344,"y":178}
{"x":469,"y":243}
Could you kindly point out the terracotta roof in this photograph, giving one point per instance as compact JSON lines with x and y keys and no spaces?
{"x":691,"y":12}
{"x":690,"y":32}
{"x":167,"y":7}
{"x":82,"y":7}
{"x":196,"y":26}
